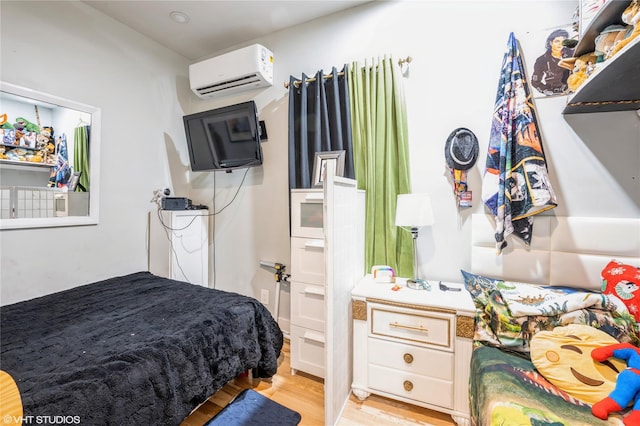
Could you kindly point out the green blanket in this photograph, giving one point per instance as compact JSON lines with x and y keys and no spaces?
{"x":506,"y":390}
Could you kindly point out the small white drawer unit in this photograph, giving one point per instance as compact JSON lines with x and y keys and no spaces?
{"x":413,"y":345}
{"x":327,"y":260}
{"x":308,"y":282}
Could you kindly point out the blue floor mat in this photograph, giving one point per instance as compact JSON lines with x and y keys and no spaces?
{"x":251,"y":408}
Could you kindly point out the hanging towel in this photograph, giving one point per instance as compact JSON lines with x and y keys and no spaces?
{"x":516,"y":183}
{"x":81,"y":156}
{"x":62,"y":168}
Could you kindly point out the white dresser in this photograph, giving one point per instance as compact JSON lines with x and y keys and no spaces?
{"x":179,"y":245}
{"x":413,"y":345}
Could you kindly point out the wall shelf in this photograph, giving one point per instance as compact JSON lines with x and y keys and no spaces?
{"x":609,"y":14}
{"x":615,"y":85}
{"x":14,"y":164}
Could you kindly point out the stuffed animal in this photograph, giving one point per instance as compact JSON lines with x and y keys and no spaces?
{"x":630,"y":16}
{"x":607,"y":38}
{"x":623,"y":281}
{"x":580,"y":67}
{"x":627,"y":388}
{"x":25,"y":125}
{"x":19,"y":134}
{"x":42,"y":140}
{"x":45,"y":137}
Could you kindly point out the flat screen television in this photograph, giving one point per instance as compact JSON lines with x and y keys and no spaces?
{"x":224,"y":138}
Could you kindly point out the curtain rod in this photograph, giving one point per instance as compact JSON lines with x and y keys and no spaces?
{"x":406,"y":60}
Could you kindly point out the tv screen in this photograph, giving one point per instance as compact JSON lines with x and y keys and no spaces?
{"x":224,"y":138}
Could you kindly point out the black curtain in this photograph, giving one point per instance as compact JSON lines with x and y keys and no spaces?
{"x":319,"y":120}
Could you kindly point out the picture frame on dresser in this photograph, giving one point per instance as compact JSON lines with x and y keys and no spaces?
{"x":320,"y":165}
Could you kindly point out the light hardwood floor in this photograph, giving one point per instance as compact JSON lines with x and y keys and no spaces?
{"x":305,"y":394}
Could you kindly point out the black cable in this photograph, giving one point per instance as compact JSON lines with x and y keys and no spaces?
{"x":234,"y":196}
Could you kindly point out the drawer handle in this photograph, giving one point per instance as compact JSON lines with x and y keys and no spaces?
{"x":314,"y":244}
{"x":313,"y":291}
{"x":408,"y":358}
{"x":314,"y":197}
{"x":408,"y":386}
{"x":315,"y":337}
{"x":409,"y":327}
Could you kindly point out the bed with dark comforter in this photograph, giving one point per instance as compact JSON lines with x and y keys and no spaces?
{"x":133,"y":350}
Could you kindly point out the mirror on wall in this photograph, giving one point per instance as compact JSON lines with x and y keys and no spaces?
{"x":49,"y":160}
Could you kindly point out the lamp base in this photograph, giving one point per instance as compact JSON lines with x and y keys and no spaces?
{"x":418,"y":284}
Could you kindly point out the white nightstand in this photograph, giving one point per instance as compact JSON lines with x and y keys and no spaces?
{"x":413,"y":345}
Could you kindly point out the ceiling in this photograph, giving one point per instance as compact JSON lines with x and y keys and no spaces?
{"x":214,"y":25}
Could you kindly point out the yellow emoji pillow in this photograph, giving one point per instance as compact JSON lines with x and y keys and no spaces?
{"x":563,"y":357}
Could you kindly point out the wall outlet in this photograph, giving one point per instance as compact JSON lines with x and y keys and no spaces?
{"x":264,"y":297}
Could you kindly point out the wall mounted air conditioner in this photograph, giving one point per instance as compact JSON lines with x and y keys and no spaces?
{"x":243,"y":69}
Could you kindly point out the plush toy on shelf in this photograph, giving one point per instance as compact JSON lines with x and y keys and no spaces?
{"x":25,"y":125}
{"x":608,"y":43}
{"x":581,"y":68}
{"x":607,"y":39}
{"x":630,"y":16}
{"x":627,"y":383}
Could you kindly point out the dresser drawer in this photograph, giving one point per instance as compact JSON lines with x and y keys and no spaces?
{"x":412,"y":386}
{"x":307,"y":350}
{"x":307,"y":213}
{"x":432,"y":328}
{"x":307,"y":305}
{"x":307,"y":260}
{"x":413,"y":359}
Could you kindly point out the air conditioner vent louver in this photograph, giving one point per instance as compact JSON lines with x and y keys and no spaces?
{"x":244,"y":69}
{"x":252,"y":79}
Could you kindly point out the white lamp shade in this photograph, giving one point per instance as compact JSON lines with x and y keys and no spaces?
{"x":414,"y":210}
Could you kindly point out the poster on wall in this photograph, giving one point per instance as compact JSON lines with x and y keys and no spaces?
{"x":588,"y":10}
{"x":542,"y":51}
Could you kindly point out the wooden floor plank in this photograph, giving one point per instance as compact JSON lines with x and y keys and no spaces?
{"x":305,"y":394}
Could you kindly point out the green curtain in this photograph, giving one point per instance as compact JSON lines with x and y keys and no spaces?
{"x":381,"y":160}
{"x":81,"y":156}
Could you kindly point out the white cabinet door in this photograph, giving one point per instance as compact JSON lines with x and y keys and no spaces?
{"x":190,"y":247}
{"x":179,"y":245}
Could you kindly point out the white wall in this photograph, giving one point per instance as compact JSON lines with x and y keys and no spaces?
{"x":70,"y":50}
{"x":457,"y":50}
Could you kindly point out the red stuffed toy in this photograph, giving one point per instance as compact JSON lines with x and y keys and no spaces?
{"x":627,"y":384}
{"x":623,"y":281}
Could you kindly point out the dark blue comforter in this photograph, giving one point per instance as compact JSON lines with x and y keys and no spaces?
{"x":133,"y":350}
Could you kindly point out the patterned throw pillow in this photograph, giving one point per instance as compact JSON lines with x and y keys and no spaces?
{"x":563,"y":357}
{"x":623,"y":281}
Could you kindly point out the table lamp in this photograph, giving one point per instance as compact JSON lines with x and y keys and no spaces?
{"x":413,"y":211}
